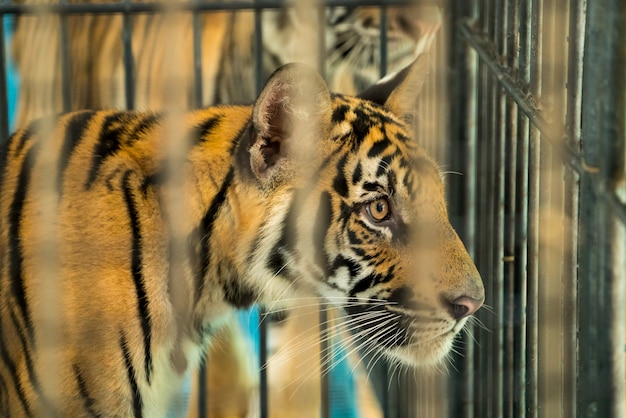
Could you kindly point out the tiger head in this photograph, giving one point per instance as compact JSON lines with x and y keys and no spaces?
{"x":363,"y":218}
{"x":352,"y":39}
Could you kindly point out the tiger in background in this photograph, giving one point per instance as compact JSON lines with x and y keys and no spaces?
{"x":303,"y":193}
{"x":96,"y":67}
{"x":98,"y":81}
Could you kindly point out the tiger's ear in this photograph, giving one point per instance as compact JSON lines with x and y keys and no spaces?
{"x":289,"y":117}
{"x":399,"y":92}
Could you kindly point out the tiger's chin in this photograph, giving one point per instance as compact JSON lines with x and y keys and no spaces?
{"x":424,"y":355}
{"x":427,"y":352}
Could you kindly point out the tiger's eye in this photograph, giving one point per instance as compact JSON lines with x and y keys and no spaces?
{"x":378,"y":210}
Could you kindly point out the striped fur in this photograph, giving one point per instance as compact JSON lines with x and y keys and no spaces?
{"x":278,"y":199}
{"x":226,"y":43}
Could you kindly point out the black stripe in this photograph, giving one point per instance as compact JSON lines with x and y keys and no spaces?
{"x":147,"y":122}
{"x":244,"y":140}
{"x":367,"y":227}
{"x":4,"y":398}
{"x":17,"y":383}
{"x":361,"y":127}
{"x":206,"y":231}
{"x":36,"y":127}
{"x":365,"y":283}
{"x":404,"y":296}
{"x":378,"y":148}
{"x":201,"y":132}
{"x":158,"y":178}
{"x":108,"y":144}
{"x":136,"y":268}
{"x":88,"y":401}
{"x":276,"y":261}
{"x":130,"y":370}
{"x":340,"y":185}
{"x":255,"y":244}
{"x":4,"y":156}
{"x":76,"y":127}
{"x":287,"y":237}
{"x":323,"y":220}
{"x":353,"y":238}
{"x":30,"y":368}
{"x":340,"y":261}
{"x":371,"y":187}
{"x":357,"y":175}
{"x":383,"y":164}
{"x":339,"y":114}
{"x":26,"y":134}
{"x":403,"y":138}
{"x":16,"y":258}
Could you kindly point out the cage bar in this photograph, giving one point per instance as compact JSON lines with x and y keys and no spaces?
{"x":602,"y":130}
{"x":158,"y":7}
{"x":462,"y":190}
{"x":258,"y":66}
{"x":65,"y":62}
{"x":197,"y":60}
{"x":499,"y":202}
{"x":534,"y":161}
{"x":129,"y":66}
{"x":4,"y":105}
{"x":383,"y":40}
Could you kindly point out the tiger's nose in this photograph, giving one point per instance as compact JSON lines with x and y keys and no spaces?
{"x":464,"y":306}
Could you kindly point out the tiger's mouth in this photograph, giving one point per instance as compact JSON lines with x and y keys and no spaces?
{"x":412,"y":337}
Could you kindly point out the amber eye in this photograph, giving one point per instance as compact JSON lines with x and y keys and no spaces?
{"x":378,"y":210}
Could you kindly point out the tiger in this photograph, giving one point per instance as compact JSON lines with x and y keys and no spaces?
{"x":302,"y":193}
{"x":226,"y":71}
{"x":97,"y":80}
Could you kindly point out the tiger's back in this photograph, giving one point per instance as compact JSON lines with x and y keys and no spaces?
{"x":118,"y":265}
{"x":105,"y":168}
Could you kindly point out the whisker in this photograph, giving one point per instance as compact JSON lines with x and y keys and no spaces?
{"x":458,"y":173}
{"x":342,"y":325}
{"x":267,"y":283}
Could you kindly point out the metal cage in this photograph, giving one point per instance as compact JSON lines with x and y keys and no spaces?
{"x":529,"y":103}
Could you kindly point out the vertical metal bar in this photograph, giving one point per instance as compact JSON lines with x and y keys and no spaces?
{"x":481,"y":392}
{"x":497,"y":297}
{"x":535,"y":50}
{"x":129,"y":65}
{"x":462,"y":189}
{"x":65,"y":62}
{"x":327,"y":356}
{"x":470,"y":176}
{"x":258,"y":46}
{"x":488,"y":181}
{"x":384,"y":36}
{"x":510,"y":216}
{"x":4,"y":105}
{"x":521,"y":250}
{"x":570,"y":265}
{"x":551,"y":253}
{"x":589,"y":384}
{"x":258,"y":82}
{"x":197,"y":59}
{"x":615,"y":155}
{"x":601,"y":384}
{"x":203,"y":373}
{"x":321,"y":38}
